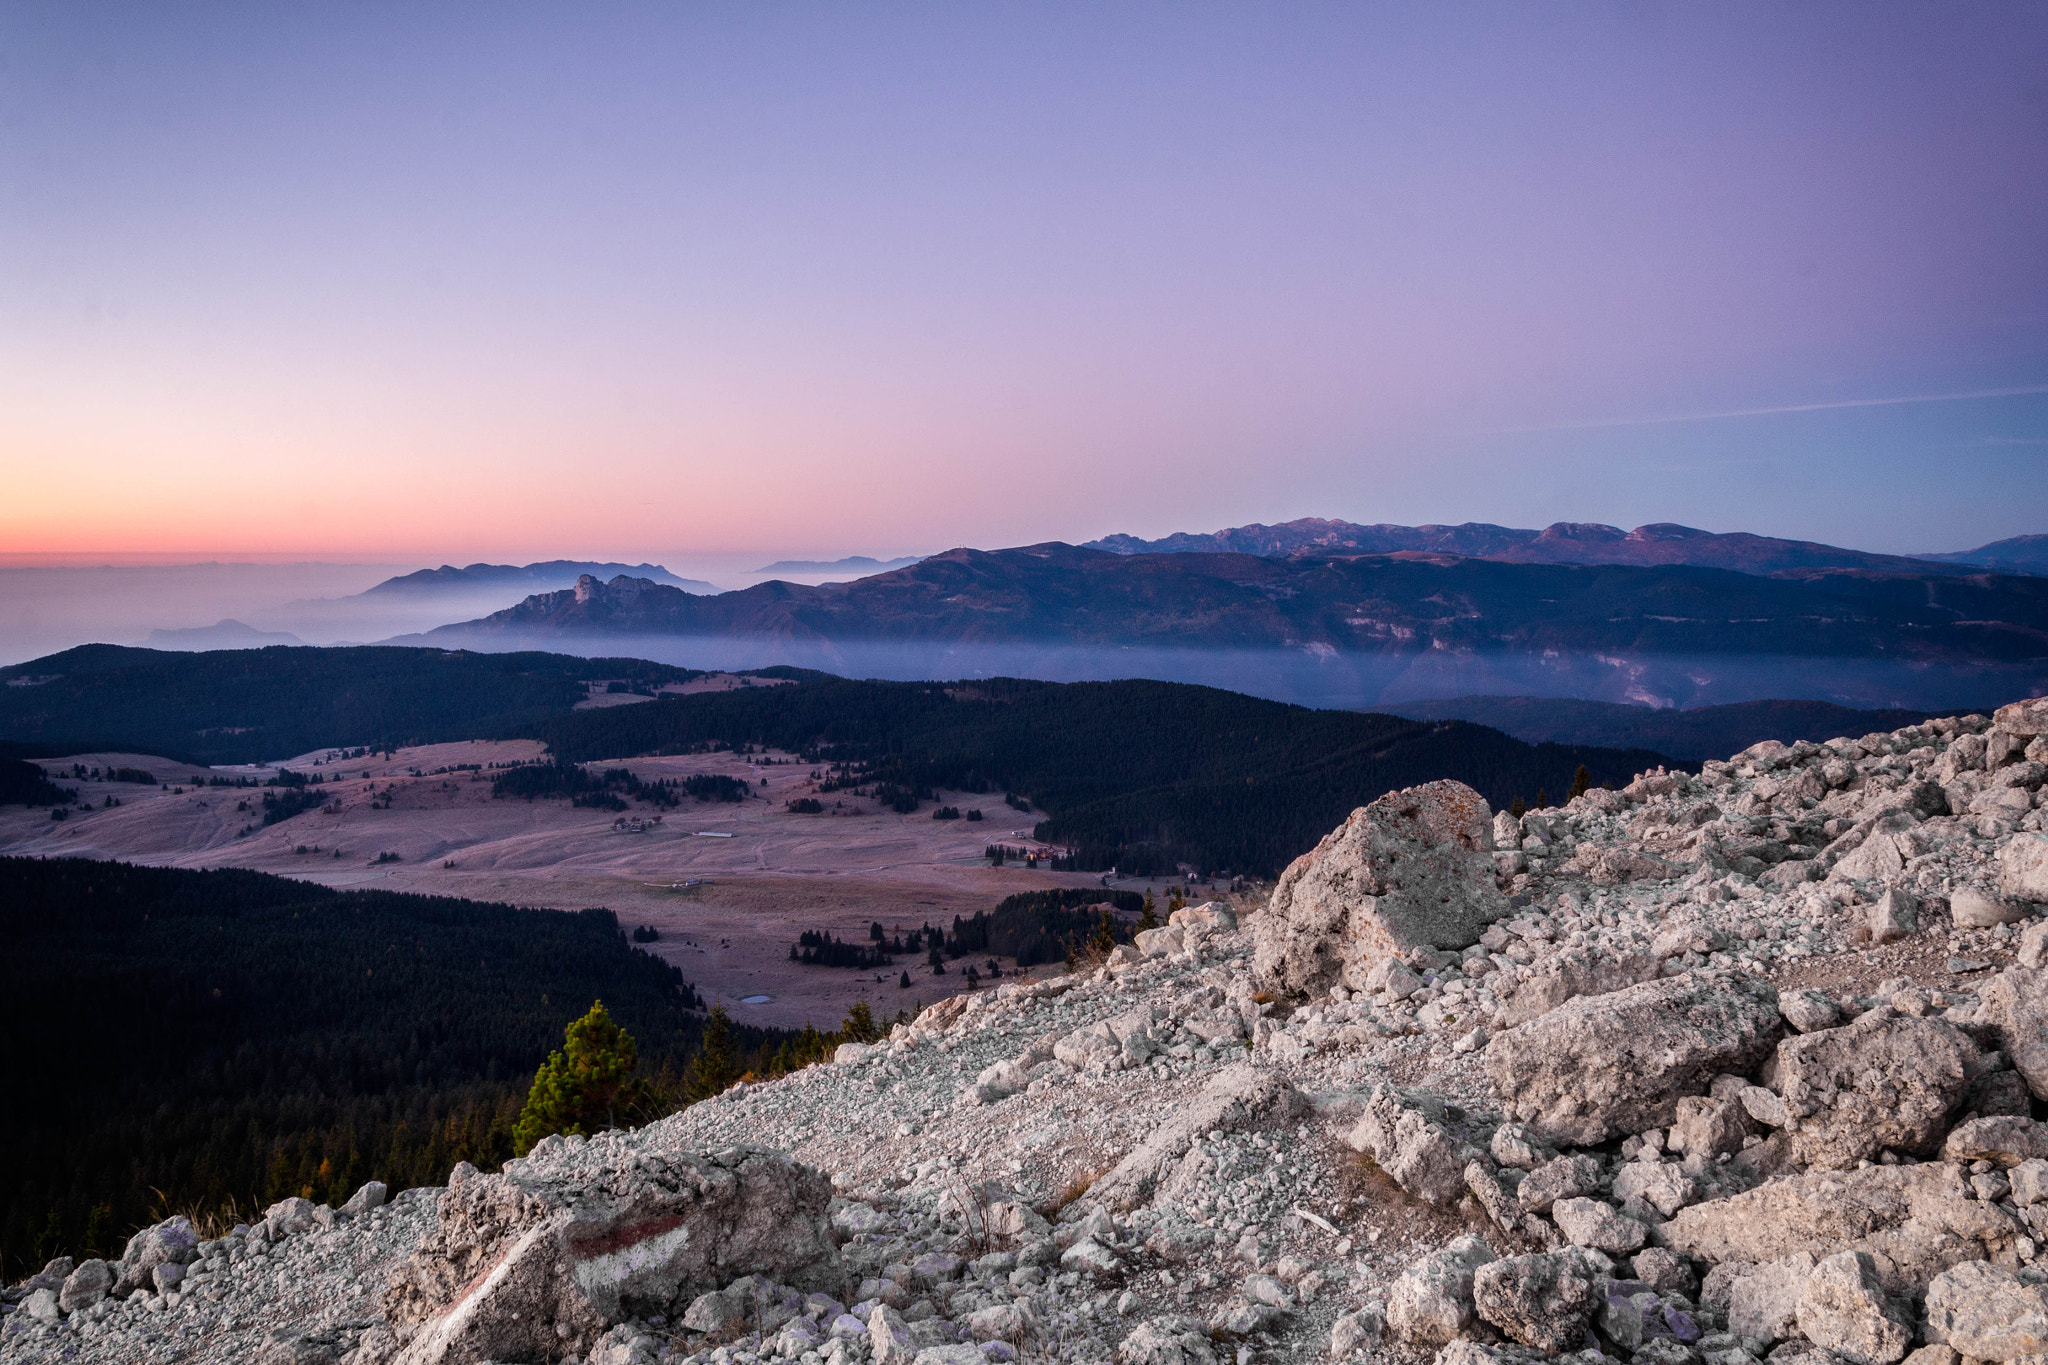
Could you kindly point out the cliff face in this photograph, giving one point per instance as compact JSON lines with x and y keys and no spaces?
{"x":1747,"y":1063}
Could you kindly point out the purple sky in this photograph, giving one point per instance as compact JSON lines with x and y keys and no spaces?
{"x":629,"y":281}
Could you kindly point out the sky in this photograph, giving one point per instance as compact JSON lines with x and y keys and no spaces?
{"x":414,"y":283}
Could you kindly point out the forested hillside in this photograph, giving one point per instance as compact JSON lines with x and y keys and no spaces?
{"x":248,"y":705}
{"x":181,"y":1038}
{"x":1139,"y":775}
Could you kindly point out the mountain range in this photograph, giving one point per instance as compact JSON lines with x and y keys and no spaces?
{"x":854,"y":564}
{"x":1346,"y":628}
{"x":545,"y":576}
{"x":1576,"y":542}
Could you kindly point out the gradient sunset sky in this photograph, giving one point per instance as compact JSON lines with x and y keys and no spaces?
{"x":445,"y":282}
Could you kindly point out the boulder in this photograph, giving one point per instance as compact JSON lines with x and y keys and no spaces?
{"x":2008,"y":1140}
{"x":1357,"y":1330}
{"x":1708,"y":1127}
{"x":1986,"y":1312}
{"x":1883,"y":1081}
{"x":1662,"y":1186}
{"x":889,"y":1337}
{"x":86,"y":1286}
{"x":1107,"y":1041}
{"x":1605,"y":1065}
{"x":1410,"y":870}
{"x":2033,"y":949}
{"x":172,"y":1240}
{"x":1544,"y":1301}
{"x":1895,"y":916}
{"x":1564,"y":1177}
{"x":1431,"y":1303}
{"x":1214,"y":916}
{"x":1573,"y":972}
{"x":1808,"y":1010}
{"x":2023,"y":867}
{"x":1915,"y":1221}
{"x":1238,"y":1097}
{"x":1412,"y":1147}
{"x":1843,"y":1309}
{"x":1590,"y":1223}
{"x":576,"y":1235}
{"x":1972,"y":908}
{"x":1763,"y":1301}
{"x":2014,"y":1006}
{"x":369,"y":1196}
{"x":2027,"y":718}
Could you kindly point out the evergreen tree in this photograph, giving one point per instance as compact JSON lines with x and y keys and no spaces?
{"x":1518,"y":808}
{"x":1149,"y":917}
{"x":904,"y":984}
{"x":860,"y":1024}
{"x":1581,"y":782}
{"x":1104,"y":940}
{"x":713,"y":1069}
{"x":585,"y":1086}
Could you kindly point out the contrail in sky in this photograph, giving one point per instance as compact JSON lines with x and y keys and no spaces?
{"x":1770,"y":412}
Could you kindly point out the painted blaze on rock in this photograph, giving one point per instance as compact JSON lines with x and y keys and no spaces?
{"x":1410,"y":870}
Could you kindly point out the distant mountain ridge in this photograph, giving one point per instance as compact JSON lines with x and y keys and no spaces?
{"x":2020,"y":554}
{"x":226,"y":633}
{"x":546,"y":576}
{"x":1572,"y":542}
{"x":860,"y":564}
{"x":1372,"y":628}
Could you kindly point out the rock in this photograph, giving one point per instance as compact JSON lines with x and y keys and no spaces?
{"x":1090,"y":1257}
{"x":1934,"y":1355}
{"x":2030,"y":1183}
{"x":2023,"y":867}
{"x":1665,"y":1273}
{"x":1237,"y":1098}
{"x":2008,"y":1140}
{"x":172,"y":1240}
{"x":42,"y":1305}
{"x":1105,"y":1041}
{"x":1808,"y":1010}
{"x":86,"y":1286}
{"x":1357,"y":1331}
{"x":1764,"y":1302}
{"x":1660,"y":1185}
{"x":2033,"y":949}
{"x":1764,"y":1106}
{"x":574,"y":1236}
{"x":1409,"y":1146}
{"x":167,"y":1277}
{"x":1431,"y":1303}
{"x":1708,"y":1127}
{"x":1513,"y":1145}
{"x":889,"y":1337}
{"x":1590,"y":1223}
{"x":2028,"y":718}
{"x":1600,"y":1066}
{"x":1267,"y":1290}
{"x":1986,"y":1312}
{"x":1408,"y":871}
{"x":1214,"y":916}
{"x":1882,"y":1081}
{"x":1000,"y":1322}
{"x":2014,"y":1005}
{"x":1971,"y":908}
{"x":1998,"y":1092}
{"x":1169,"y":1340}
{"x":1492,"y":1196}
{"x":1895,"y":916}
{"x":1843,"y":1309}
{"x":1878,"y":859}
{"x":1161,"y":942}
{"x":1544,"y":1301}
{"x":1915,"y":1220}
{"x":714,"y":1312}
{"x":370,"y":1196}
{"x":1572,"y":973}
{"x":951,"y":1353}
{"x":1564,"y":1177}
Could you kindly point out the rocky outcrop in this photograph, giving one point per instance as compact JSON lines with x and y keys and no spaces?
{"x":1884,"y":1081}
{"x":1410,"y":1143}
{"x":1408,"y":871}
{"x":578,"y":1234}
{"x":1914,"y":1221}
{"x":1601,"y":1066}
{"x":1986,"y":1312}
{"x":1235,"y":1100}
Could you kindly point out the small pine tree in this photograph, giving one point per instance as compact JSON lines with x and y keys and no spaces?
{"x":1104,"y":940}
{"x":1542,"y":799}
{"x":713,"y":1069}
{"x":860,"y":1024}
{"x":585,"y":1086}
{"x":1149,"y":919}
{"x":1581,"y":781}
{"x":904,"y":983}
{"x":1518,"y":808}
